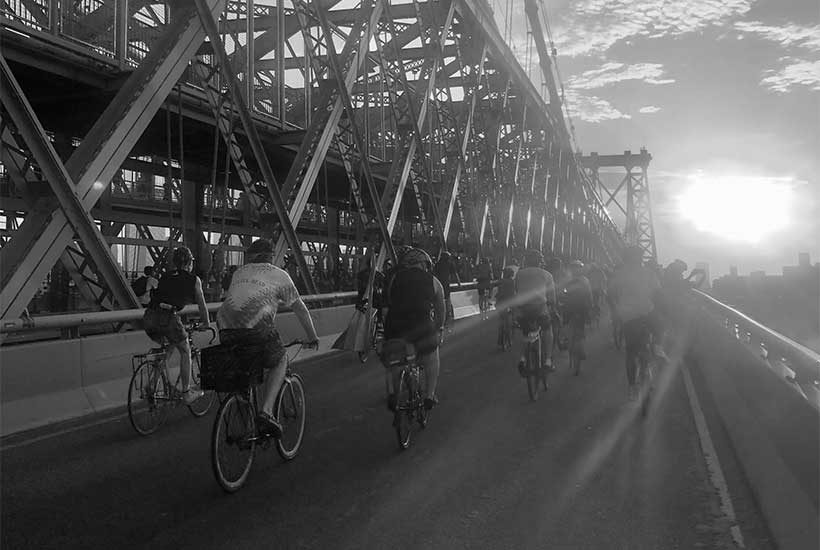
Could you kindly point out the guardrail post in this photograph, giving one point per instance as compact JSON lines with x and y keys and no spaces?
{"x":121,"y":31}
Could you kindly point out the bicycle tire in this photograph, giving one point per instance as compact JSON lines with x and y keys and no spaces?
{"x":533,"y":370}
{"x":291,"y":414}
{"x":233,"y":433}
{"x":148,"y":398}
{"x":403,"y":416}
{"x":201,"y":406}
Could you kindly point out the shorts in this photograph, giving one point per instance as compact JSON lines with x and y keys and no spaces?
{"x":164,"y":325}
{"x":255,"y":344}
{"x":423,"y":335}
{"x":530,"y":316}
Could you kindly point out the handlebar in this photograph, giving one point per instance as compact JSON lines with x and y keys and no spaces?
{"x":301,"y":343}
{"x":194,"y":327}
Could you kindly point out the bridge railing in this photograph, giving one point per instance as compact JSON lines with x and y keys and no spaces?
{"x":71,"y":323}
{"x":794,"y":361}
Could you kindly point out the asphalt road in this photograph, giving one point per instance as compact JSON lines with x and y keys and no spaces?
{"x":577,"y":469}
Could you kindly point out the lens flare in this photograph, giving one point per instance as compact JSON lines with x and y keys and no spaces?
{"x":737,"y":208}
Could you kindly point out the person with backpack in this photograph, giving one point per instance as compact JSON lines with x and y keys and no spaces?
{"x":162,"y":322}
{"x":415,"y":313}
{"x":144,"y":284}
{"x":504,"y":298}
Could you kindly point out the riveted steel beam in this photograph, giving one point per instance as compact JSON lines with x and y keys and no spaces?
{"x":100,"y":155}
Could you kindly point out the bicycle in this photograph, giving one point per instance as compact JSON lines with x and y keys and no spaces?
{"x":150,"y":392}
{"x":410,"y":391}
{"x":375,"y":333}
{"x":235,"y":437}
{"x":505,"y":328}
{"x":533,"y":371}
{"x":644,"y":374}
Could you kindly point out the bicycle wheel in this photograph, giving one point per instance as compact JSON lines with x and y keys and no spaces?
{"x":421,"y":391}
{"x":533,"y":370}
{"x":645,"y":385}
{"x":201,"y":406}
{"x":233,"y":442}
{"x":148,"y":395}
{"x":403,"y":416}
{"x":290,"y":411}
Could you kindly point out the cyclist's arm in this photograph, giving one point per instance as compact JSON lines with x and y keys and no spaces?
{"x":303,"y":315}
{"x":200,"y":301}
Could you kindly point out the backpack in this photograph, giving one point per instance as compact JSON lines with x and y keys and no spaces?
{"x":140,"y":285}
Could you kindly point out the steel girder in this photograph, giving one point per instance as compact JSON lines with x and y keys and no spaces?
{"x":63,"y":188}
{"x":305,"y":168}
{"x":46,"y":233}
{"x":288,"y":234}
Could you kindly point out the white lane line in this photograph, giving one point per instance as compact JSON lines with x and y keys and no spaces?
{"x":712,"y":461}
{"x":58,"y":433}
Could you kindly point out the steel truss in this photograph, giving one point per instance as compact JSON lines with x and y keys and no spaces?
{"x":421,"y":100}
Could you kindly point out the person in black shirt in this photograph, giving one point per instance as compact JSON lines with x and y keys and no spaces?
{"x":162,"y":323}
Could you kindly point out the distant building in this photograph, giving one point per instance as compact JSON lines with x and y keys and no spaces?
{"x":803,"y":259}
{"x":733,"y":271}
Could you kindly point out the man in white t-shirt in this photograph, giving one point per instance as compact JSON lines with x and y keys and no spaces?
{"x":246,"y":318}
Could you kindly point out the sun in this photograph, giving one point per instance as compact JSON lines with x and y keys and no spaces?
{"x":737,"y":208}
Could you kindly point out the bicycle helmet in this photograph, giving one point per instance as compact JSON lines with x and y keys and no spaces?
{"x":401,"y":250}
{"x":182,"y":257}
{"x":416,"y":258}
{"x":533,"y":258}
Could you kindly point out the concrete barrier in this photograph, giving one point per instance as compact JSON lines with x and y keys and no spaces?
{"x":46,"y":382}
{"x":774,"y":430}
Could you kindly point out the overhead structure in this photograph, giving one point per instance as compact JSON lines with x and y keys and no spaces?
{"x":630,"y":196}
{"x":129,"y":128}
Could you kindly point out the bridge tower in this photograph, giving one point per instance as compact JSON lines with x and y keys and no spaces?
{"x":632,"y":189}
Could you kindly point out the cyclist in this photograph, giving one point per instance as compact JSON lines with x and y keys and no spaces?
{"x":247,"y":319}
{"x":577,"y":306}
{"x":415,"y":313}
{"x":535,"y":296}
{"x":504,"y":296}
{"x":634,"y":290}
{"x":444,"y":273}
{"x":597,"y":283}
{"x":484,"y":276}
{"x":162,"y":322}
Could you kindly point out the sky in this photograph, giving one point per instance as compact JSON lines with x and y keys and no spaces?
{"x":725,"y":95}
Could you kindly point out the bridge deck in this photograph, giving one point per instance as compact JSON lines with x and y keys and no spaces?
{"x":577,"y":469}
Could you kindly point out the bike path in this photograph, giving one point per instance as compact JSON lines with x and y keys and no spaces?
{"x":577,"y":469}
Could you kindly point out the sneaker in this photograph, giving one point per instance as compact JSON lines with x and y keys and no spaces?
{"x":268,"y":425}
{"x":191,"y":395}
{"x":430,"y":402}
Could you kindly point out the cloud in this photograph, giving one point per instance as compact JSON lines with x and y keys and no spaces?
{"x":798,"y":73}
{"x":788,"y":36}
{"x":591,"y":108}
{"x":611,"y":73}
{"x":594,"y":26}
{"x":649,"y":109}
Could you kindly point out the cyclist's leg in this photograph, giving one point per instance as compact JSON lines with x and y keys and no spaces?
{"x":184,"y":362}
{"x":431,"y":364}
{"x":273,"y":381}
{"x":632,"y":336}
{"x":546,"y":341}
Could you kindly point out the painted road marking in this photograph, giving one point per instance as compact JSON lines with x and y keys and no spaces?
{"x":712,"y":461}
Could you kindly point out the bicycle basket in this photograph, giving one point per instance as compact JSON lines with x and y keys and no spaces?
{"x":230,"y":368}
